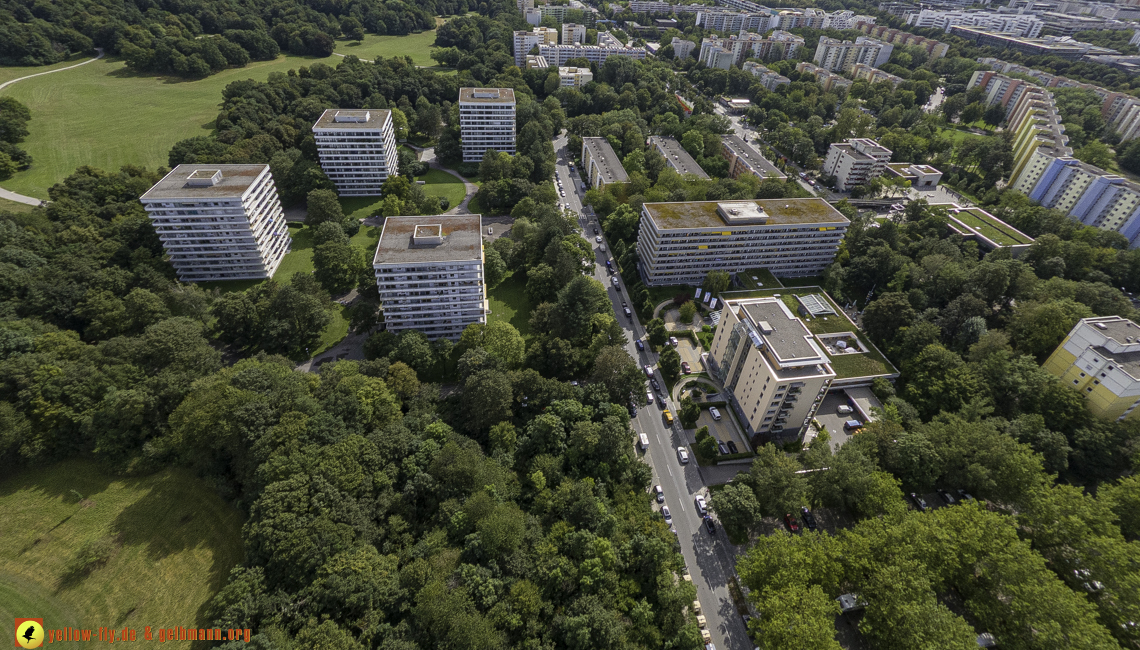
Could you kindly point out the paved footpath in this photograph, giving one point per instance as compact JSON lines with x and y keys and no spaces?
{"x":20,"y":198}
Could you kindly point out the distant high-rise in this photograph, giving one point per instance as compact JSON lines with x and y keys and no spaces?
{"x":219,"y":222}
{"x":486,"y":121}
{"x":357,"y":149}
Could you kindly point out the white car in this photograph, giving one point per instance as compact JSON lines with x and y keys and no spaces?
{"x":683,"y":455}
{"x":665,"y":513}
{"x":844,"y":409}
{"x":715,"y":413}
{"x":673,"y":341}
{"x":598,"y":239}
{"x":648,"y":371}
{"x":702,"y":509}
{"x":659,"y":494}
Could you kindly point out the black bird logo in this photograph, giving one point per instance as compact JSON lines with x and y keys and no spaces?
{"x":30,"y":633}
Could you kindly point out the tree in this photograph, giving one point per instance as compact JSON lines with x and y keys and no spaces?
{"x":973,"y":112}
{"x":322,"y":206}
{"x":670,"y":363}
{"x":503,"y":341}
{"x":1038,"y":328}
{"x":494,"y":268}
{"x":338,"y":266}
{"x":577,"y":303}
{"x":1095,"y":153}
{"x":938,"y":380}
{"x":399,"y":124}
{"x":716,"y":282}
{"x":618,"y":372}
{"x":774,"y":481}
{"x":688,"y":312}
{"x":413,"y":349}
{"x":994,"y":114}
{"x":736,"y":507}
{"x":886,"y":314}
{"x":797,"y":617}
{"x":487,"y":399}
{"x":402,"y":380}
{"x":656,"y":333}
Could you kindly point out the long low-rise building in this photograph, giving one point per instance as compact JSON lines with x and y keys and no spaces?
{"x":743,"y":159}
{"x":1059,"y":46}
{"x":828,"y":79}
{"x":864,"y":72}
{"x":1024,"y":25}
{"x":429,"y":271}
{"x":601,"y":165}
{"x":679,"y":243}
{"x":558,"y":55}
{"x":934,"y":49}
{"x":676,"y":156}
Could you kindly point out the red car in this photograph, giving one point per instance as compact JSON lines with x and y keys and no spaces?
{"x":685,"y":367}
{"x":790,"y":523}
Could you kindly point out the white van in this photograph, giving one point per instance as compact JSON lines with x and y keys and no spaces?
{"x":649,"y":396}
{"x":644,"y":441}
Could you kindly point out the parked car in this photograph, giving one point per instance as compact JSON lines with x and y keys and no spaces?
{"x":490,"y":230}
{"x":844,"y":410}
{"x":598,"y":239}
{"x":648,"y":371}
{"x":701,"y":621}
{"x":685,"y":367}
{"x":714,"y":413}
{"x":696,"y":607}
{"x":683,"y":455}
{"x":919,"y":502}
{"x":659,"y":493}
{"x":665,"y":513}
{"x":790,"y":523}
{"x":710,"y":525}
{"x":654,"y":384}
{"x":722,"y":448}
{"x":946,"y":497}
{"x":732,"y":447}
{"x":640,"y":345}
{"x":702,"y":509}
{"x":673,"y":341}
{"x":809,"y":518}
{"x":628,"y":313}
{"x":632,"y":410}
{"x":964,"y":496}
{"x":596,"y":231}
{"x":615,"y":282}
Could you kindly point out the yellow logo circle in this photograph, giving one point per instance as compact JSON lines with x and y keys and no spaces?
{"x":30,"y":634}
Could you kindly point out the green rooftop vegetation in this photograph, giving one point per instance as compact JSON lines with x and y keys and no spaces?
{"x":703,"y":214}
{"x":764,"y":279}
{"x":991,"y":227}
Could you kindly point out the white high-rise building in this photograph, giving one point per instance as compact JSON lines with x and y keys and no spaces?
{"x":219,"y":222}
{"x":572,"y":33}
{"x":486,"y":121}
{"x":683,"y":49}
{"x":429,"y":271}
{"x":840,"y":56}
{"x":855,"y":162}
{"x":357,"y":149}
{"x":524,"y":42}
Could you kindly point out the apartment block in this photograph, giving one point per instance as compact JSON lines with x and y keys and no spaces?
{"x":526,"y":41}
{"x":570,"y":77}
{"x":742,"y":5}
{"x":1025,"y":25}
{"x":864,"y":72}
{"x":733,"y":21}
{"x":775,"y":373}
{"x":557,"y":12}
{"x":718,"y":53}
{"x":934,"y":49}
{"x":725,"y":52}
{"x":682,"y":49}
{"x":219,"y":222}
{"x":533,"y":16}
{"x":1089,"y":194}
{"x":676,"y":156}
{"x":1059,"y":46}
{"x":572,"y":33}
{"x":429,"y":271}
{"x":768,"y":78}
{"x":486,"y":121}
{"x":855,"y":162}
{"x":679,"y":243}
{"x":357,"y":149}
{"x":1100,"y":358}
{"x":841,"y":56}
{"x":559,"y":54}
{"x":829,"y":80}
{"x":601,"y":166}
{"x":743,"y":159}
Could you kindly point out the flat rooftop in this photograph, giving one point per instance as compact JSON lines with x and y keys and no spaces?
{"x":743,"y":150}
{"x":785,"y":334}
{"x":342,"y":119}
{"x":200,"y":182}
{"x":454,"y":238}
{"x":1119,"y":329}
{"x":676,"y":156}
{"x":487,"y":95}
{"x":607,"y":160}
{"x":780,"y":212}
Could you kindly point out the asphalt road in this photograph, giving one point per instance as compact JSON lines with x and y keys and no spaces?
{"x":708,"y":557}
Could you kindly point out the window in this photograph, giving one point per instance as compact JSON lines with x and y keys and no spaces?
{"x":1082,"y":374}
{"x":1089,"y":389}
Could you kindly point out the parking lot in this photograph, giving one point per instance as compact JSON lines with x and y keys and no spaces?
{"x":691,"y":354}
{"x":725,"y":429}
{"x":828,"y":415}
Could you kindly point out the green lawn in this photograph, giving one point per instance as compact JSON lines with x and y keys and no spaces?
{"x":299,"y":259}
{"x":764,"y":278}
{"x":812,"y":281}
{"x":15,"y":206}
{"x":360,"y":207}
{"x":440,"y":183}
{"x":15,"y":72}
{"x":417,"y":46}
{"x":174,"y":539}
{"x":510,"y":304}
{"x":994,"y":229}
{"x":474,"y":207}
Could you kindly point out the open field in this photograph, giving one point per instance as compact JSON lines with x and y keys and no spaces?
{"x":15,"y":72}
{"x":417,"y":46}
{"x":105,"y":115}
{"x":174,"y":542}
{"x":440,"y":183}
{"x":509,"y":304}
{"x":15,"y":206}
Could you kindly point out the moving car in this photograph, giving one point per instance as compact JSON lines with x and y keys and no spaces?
{"x":596,"y":231}
{"x":702,"y":510}
{"x":714,"y":413}
{"x":659,"y":493}
{"x":668,"y":415}
{"x":665,"y":513}
{"x":649,"y":397}
{"x":732,"y":447}
{"x":628,"y":313}
{"x":919,"y":502}
{"x":790,"y":523}
{"x":654,"y":384}
{"x":809,"y":518}
{"x":648,"y":371}
{"x":946,"y":497}
{"x":683,"y":455}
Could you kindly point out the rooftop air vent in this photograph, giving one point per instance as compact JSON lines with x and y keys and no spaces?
{"x":428,"y":235}
{"x":204,"y":178}
{"x":1100,"y":326}
{"x":356,"y":117}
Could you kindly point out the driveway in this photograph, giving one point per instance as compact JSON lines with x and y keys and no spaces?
{"x":723,"y":430}
{"x":690,"y":353}
{"x":828,"y":415}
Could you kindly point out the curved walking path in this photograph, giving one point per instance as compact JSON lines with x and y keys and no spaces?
{"x":20,"y":198}
{"x":427,"y":154}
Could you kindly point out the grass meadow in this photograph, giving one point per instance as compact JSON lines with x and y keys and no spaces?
{"x":173,"y":542}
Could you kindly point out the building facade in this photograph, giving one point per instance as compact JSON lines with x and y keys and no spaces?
{"x":855,"y":162}
{"x":357,"y":149}
{"x":768,"y":78}
{"x":1100,"y":358}
{"x":601,"y":165}
{"x":558,"y":55}
{"x":863,"y":72}
{"x":570,"y":77}
{"x":572,"y":33}
{"x":1025,"y":25}
{"x":682,"y":49}
{"x":1059,"y":46}
{"x":775,"y":372}
{"x":743,"y":159}
{"x":934,"y":49}
{"x":219,"y":222}
{"x":486,"y":121}
{"x":841,"y":56}
{"x":828,"y":79}
{"x":679,"y":243}
{"x":676,"y":156}
{"x":429,"y":271}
